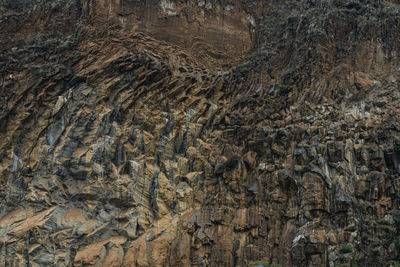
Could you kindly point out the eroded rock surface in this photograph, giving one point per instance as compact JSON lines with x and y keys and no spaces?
{"x":199,"y":133}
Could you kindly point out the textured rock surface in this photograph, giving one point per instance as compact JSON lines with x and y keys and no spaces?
{"x":203,"y":133}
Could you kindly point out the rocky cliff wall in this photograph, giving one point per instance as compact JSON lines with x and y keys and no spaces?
{"x":169,"y":133}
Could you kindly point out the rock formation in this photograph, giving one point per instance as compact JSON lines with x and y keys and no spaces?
{"x":199,"y":133}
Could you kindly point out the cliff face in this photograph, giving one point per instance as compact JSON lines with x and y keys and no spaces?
{"x":204,"y":133}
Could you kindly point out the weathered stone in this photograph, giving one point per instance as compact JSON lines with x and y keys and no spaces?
{"x":204,"y":133}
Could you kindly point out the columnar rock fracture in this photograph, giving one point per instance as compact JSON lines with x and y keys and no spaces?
{"x":199,"y":133}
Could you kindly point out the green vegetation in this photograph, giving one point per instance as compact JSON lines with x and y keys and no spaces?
{"x":393,"y":263}
{"x":257,"y":263}
{"x":384,"y":222}
{"x":346,"y":249}
{"x":375,"y":251}
{"x":387,"y":228}
{"x":341,"y":259}
{"x":397,"y":149}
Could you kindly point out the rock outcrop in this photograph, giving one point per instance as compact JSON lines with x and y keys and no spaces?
{"x":199,"y":133}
